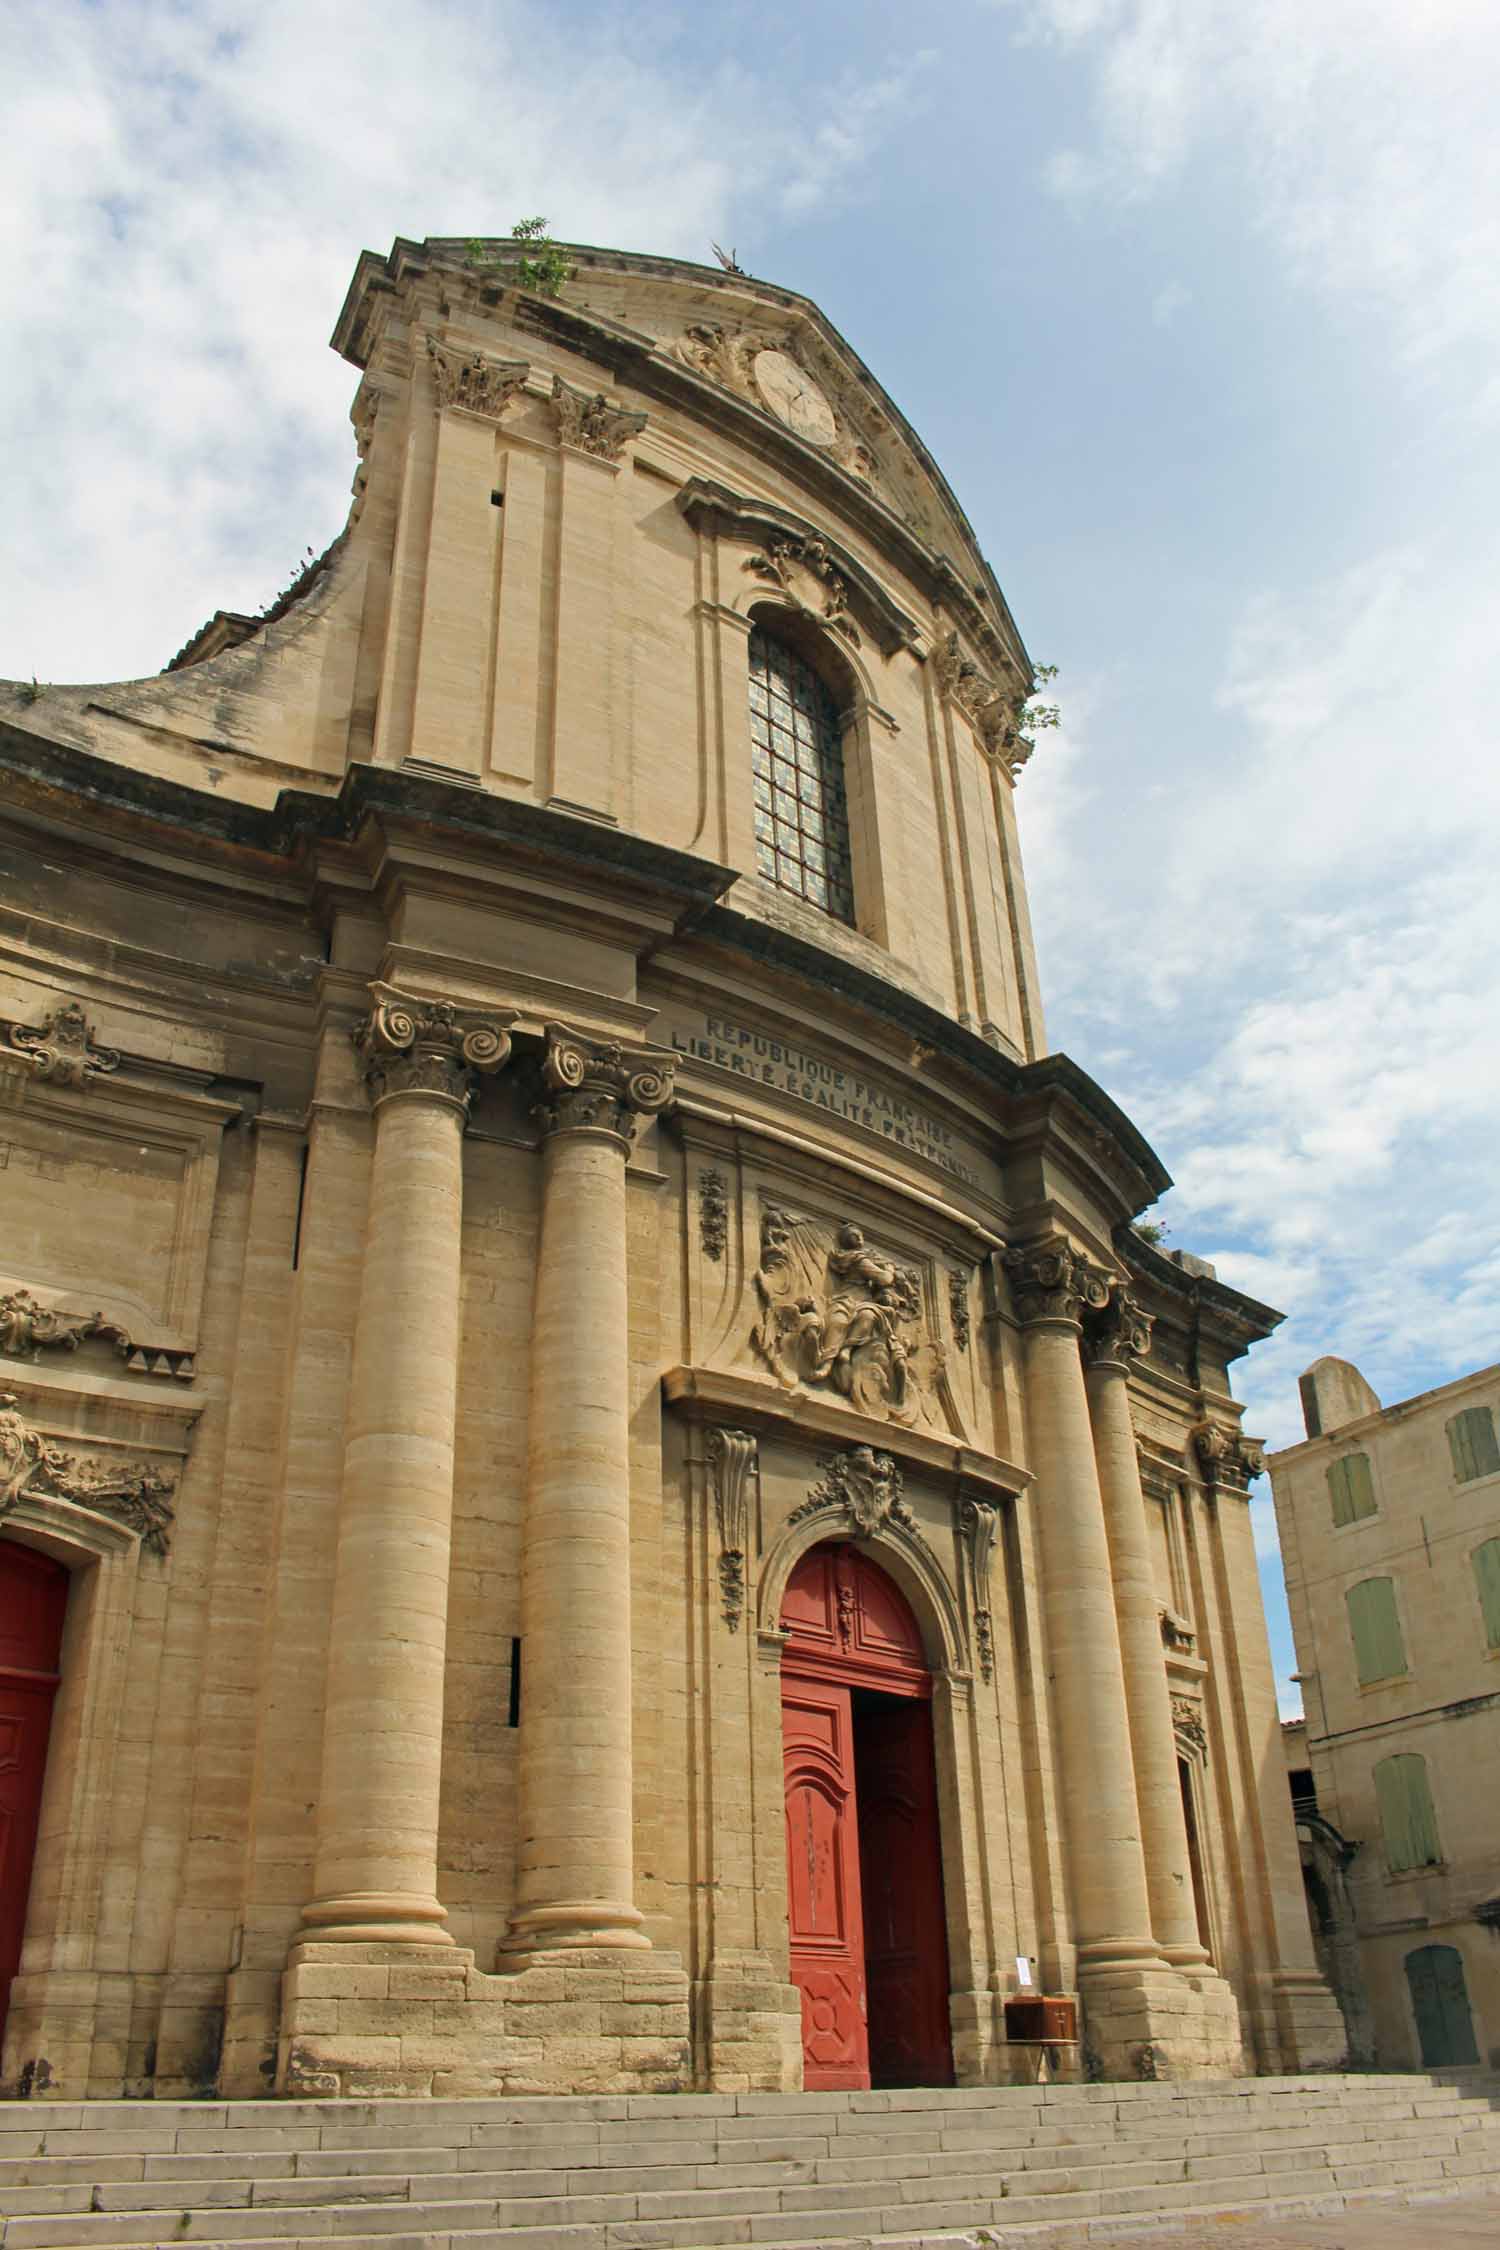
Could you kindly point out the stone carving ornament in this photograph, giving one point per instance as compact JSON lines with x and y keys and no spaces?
{"x":958,"y":1307}
{"x":993,"y":711}
{"x":1227,"y":1456}
{"x":28,"y":1328}
{"x":1118,"y":1332}
{"x":1053,"y":1281}
{"x":1187,"y":1724}
{"x":713,"y":1212}
{"x":412,"y":1046}
{"x":863,"y":1485}
{"x":979,"y":1521}
{"x":598,"y":1086}
{"x":732,"y":1462}
{"x":779,"y":562}
{"x":133,"y":1493}
{"x":838,"y":1313}
{"x":768,"y":371}
{"x":590,"y":424}
{"x":472,"y":382}
{"x":61,"y":1047}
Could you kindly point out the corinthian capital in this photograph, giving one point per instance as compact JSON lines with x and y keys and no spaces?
{"x":1053,"y":1281}
{"x":413,"y":1046}
{"x":1118,"y":1332}
{"x":473,"y":382}
{"x":598,"y":1086}
{"x":589,"y":423}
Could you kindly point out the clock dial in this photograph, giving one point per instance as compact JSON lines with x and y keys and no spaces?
{"x":794,"y":398}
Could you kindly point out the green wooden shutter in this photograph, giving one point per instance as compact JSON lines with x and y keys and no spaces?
{"x":1379,"y":1652}
{"x":1350,"y":1488}
{"x":1471,"y":1440}
{"x":1487,"y":1572}
{"x":1407,"y":1817}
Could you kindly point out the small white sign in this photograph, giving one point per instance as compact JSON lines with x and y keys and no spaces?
{"x":1023,"y":1971}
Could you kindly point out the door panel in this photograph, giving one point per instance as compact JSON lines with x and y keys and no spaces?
{"x":1440,"y":2003}
{"x":33,"y":1599}
{"x":823,"y":1890}
{"x":906,"y":1945}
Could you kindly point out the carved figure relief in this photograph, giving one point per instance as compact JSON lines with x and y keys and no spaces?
{"x":589,"y":423}
{"x":864,"y":1486}
{"x":61,"y":1047}
{"x":713,"y":1212}
{"x":804,"y":569}
{"x":472,"y":382}
{"x":836,"y":1312}
{"x":733,"y":1460}
{"x":132,"y":1492}
{"x":980,"y":1522}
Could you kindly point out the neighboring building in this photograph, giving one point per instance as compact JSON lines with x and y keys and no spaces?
{"x":573,"y":1367}
{"x":1390,"y":1537}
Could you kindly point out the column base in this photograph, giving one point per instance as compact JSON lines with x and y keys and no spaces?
{"x":382,"y":2021}
{"x":1309,"y":2023}
{"x":575,"y":1925}
{"x":376,"y":1918}
{"x":1143,"y":2020}
{"x":748,"y":2027}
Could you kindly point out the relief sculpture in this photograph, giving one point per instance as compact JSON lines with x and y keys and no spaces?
{"x":836,"y":1312}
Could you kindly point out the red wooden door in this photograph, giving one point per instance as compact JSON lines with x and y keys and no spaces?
{"x":823,"y":1895}
{"x":33,"y":1599}
{"x":864,"y":1864}
{"x":906,"y":1941}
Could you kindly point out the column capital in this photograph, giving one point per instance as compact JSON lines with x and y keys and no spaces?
{"x":1051,"y":1281}
{"x":598,"y":1086}
{"x":1117,"y":1333}
{"x":412,"y":1045}
{"x":1226,"y":1456}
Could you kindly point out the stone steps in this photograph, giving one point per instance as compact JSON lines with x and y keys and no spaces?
{"x":695,"y":2172}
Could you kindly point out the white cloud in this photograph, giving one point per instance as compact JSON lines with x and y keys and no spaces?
{"x":1363,"y":128}
{"x":183,"y":194}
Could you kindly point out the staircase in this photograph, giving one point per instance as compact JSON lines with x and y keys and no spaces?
{"x":1034,"y":2165}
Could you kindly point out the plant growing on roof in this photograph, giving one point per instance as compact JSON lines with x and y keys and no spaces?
{"x":543,"y":270}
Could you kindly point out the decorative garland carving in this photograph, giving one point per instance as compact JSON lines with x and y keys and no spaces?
{"x":598,"y":1086}
{"x":413,"y":1046}
{"x":28,"y":1328}
{"x":1053,"y":1281}
{"x":472,"y":382}
{"x":591,"y":424}
{"x":778,"y":562}
{"x":1187,"y":1724}
{"x":713,"y":1212}
{"x":993,"y":711}
{"x":835,"y":1312}
{"x":980,"y":1523}
{"x":958,"y":1306}
{"x":61,"y":1047}
{"x":1118,"y":1332}
{"x":732,"y":1459}
{"x":133,"y":1493}
{"x":866,"y":1486}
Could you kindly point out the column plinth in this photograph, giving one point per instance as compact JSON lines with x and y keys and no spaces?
{"x":575,"y":1862}
{"x":375,"y":1878}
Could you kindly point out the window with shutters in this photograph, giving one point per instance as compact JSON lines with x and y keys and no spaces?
{"x":797,"y":778}
{"x":1471,"y":1440}
{"x":1350,"y":1488}
{"x":1407,"y":1820}
{"x":1379,"y":1651}
{"x":1486,"y":1560}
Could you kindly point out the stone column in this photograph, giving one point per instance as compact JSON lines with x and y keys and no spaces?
{"x":575,"y":1876}
{"x":375,"y":1876}
{"x":1119,"y":1330}
{"x":1051,"y":1284}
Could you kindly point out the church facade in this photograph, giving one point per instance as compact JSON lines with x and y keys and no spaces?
{"x":596,"y":1491}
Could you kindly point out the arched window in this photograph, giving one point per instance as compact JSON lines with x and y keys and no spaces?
{"x":797,"y":769}
{"x":1406,"y":1815}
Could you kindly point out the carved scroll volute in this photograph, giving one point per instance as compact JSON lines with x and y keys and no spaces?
{"x":1118,"y":1332}
{"x":979,"y":1521}
{"x":598,"y":1086}
{"x":61,"y":1048}
{"x":414,"y":1046}
{"x":1053,"y":1281}
{"x":733,"y":1461}
{"x":589,"y":424}
{"x":1227,"y":1457}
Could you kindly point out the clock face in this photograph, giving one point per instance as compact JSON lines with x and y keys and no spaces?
{"x":794,"y":397}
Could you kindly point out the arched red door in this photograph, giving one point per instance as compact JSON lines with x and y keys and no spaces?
{"x":864,"y":1862}
{"x":33,"y":1600}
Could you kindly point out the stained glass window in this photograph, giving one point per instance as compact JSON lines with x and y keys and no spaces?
{"x":797,"y":770}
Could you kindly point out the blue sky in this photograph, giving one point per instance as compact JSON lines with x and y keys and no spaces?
{"x":1197,"y":304}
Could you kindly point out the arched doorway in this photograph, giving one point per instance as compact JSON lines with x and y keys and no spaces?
{"x":869,"y":1950}
{"x":33,"y":1601}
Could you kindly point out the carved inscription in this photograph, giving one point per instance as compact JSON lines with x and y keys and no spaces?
{"x":836,"y":1312}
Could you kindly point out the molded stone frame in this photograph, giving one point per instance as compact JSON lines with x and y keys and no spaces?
{"x":69,"y":2021}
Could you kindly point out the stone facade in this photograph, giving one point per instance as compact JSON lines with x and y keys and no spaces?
{"x":1401,"y":1742}
{"x":469,"y":1230}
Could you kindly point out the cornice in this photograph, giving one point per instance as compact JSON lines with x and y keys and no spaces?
{"x":715,"y":506}
{"x":1195,"y":1298}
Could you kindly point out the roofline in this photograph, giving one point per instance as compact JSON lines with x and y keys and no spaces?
{"x":1397,"y":1411}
